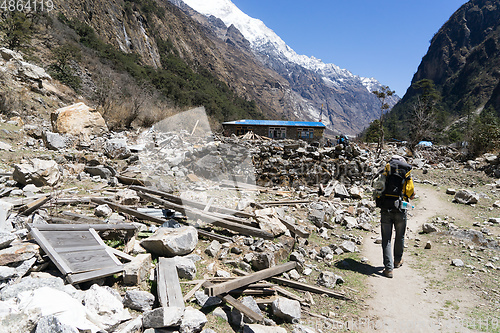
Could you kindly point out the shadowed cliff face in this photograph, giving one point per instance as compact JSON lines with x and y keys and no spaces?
{"x":463,"y":59}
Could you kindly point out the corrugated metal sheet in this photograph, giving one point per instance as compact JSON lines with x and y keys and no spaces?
{"x":275,"y":123}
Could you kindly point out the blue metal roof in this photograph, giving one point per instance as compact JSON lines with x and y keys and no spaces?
{"x":275,"y":123}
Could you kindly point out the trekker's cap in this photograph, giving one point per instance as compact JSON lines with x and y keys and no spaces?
{"x":398,"y":158}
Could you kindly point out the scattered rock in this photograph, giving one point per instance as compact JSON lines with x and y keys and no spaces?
{"x":213,"y":248}
{"x":349,"y":247}
{"x":163,"y":317}
{"x":38,"y":172}
{"x":287,"y":309}
{"x":427,"y":228}
{"x":192,"y":321}
{"x":329,"y":279}
{"x":466,"y":197}
{"x":172,"y":242}
{"x":139,"y":300}
{"x":428,"y":245}
{"x":457,"y":263}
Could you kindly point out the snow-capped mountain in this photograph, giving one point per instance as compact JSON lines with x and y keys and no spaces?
{"x":261,"y":37}
{"x":347,"y":98}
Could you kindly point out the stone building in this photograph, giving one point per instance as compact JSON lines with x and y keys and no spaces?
{"x":276,"y":129}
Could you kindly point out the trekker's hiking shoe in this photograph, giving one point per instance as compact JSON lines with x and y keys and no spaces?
{"x":398,"y":264}
{"x":387,"y":273}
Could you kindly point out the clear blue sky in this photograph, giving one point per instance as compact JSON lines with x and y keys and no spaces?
{"x":384,"y":39}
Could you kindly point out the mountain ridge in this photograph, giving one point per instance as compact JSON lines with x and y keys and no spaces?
{"x":342,"y":100}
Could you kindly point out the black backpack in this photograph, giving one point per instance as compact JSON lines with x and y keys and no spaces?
{"x":398,"y":174}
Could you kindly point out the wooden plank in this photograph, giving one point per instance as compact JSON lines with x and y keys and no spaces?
{"x":192,"y":291}
{"x":65,"y":249}
{"x":212,"y":218}
{"x":28,"y":209}
{"x":311,"y":288}
{"x":74,"y":238}
{"x":84,"y":227}
{"x":194,"y":204}
{"x":246,"y":280}
{"x":214,"y":236}
{"x":284,"y":202}
{"x":81,"y":217}
{"x":129,"y":181}
{"x":169,"y":288}
{"x":296,"y":229}
{"x":84,"y":261}
{"x":105,"y":247}
{"x":49,"y":250}
{"x":252,"y":315}
{"x":290,"y":295}
{"x":92,"y":275}
{"x":120,"y":254}
{"x":129,"y":211}
{"x":208,"y":205}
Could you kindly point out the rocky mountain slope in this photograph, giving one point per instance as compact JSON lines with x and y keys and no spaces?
{"x":463,"y":60}
{"x":341,"y":99}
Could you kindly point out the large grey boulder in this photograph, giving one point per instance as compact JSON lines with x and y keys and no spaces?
{"x":107,"y":304}
{"x":287,"y":309}
{"x":139,"y":300}
{"x":29,"y":284}
{"x":466,"y":197}
{"x":192,"y":321}
{"x":170,"y":242}
{"x":38,"y":172}
{"x":186,"y":269}
{"x":53,"y":302}
{"x":163,"y":317}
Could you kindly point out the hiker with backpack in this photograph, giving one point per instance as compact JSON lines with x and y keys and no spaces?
{"x":392,"y":191}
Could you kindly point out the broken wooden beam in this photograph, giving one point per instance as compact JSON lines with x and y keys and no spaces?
{"x":252,"y":315}
{"x":129,"y":180}
{"x":169,"y":288}
{"x":311,"y":288}
{"x":27,"y":209}
{"x":296,"y":229}
{"x":212,"y":218}
{"x":249,"y":279}
{"x":83,"y":227}
{"x":284,"y":202}
{"x":128,"y":210}
{"x":191,"y":203}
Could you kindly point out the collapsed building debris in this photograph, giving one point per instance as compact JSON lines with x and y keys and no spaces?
{"x":256,"y":201}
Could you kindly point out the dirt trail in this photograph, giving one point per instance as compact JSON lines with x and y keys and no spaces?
{"x":403,"y":304}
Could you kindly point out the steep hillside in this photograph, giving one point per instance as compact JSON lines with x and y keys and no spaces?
{"x":342,"y":100}
{"x":463,"y":60}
